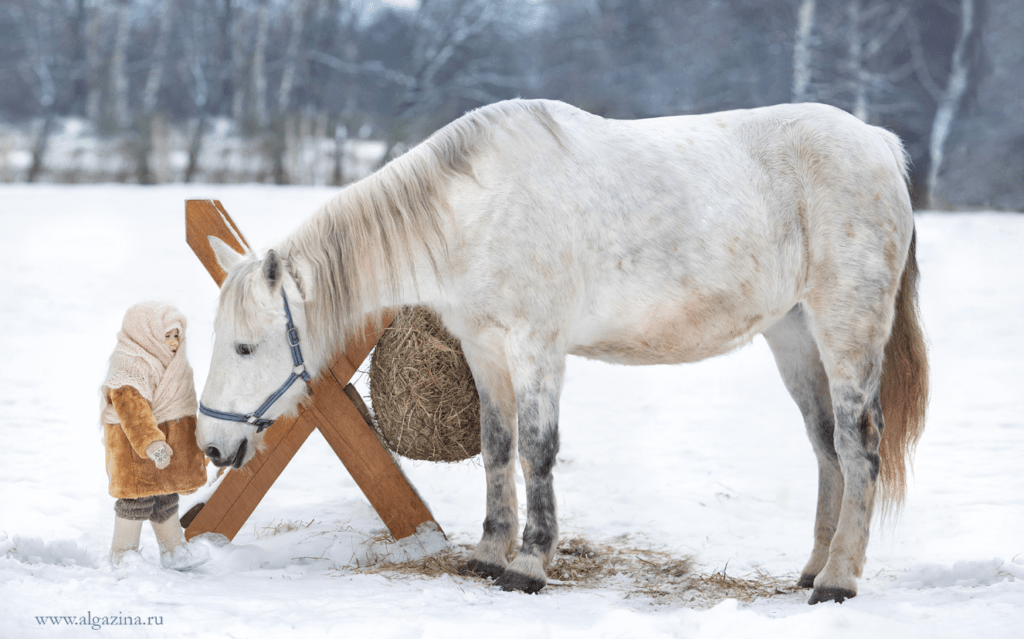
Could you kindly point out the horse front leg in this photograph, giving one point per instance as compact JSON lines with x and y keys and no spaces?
{"x":830,"y":493}
{"x":498,"y":449}
{"x":796,"y":354}
{"x":501,"y":524}
{"x":537,"y":395}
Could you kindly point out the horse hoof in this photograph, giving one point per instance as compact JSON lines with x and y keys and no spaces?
{"x":187,"y":518}
{"x":511,"y":581}
{"x":805,"y":581}
{"x":482,"y":569}
{"x":838,"y":595}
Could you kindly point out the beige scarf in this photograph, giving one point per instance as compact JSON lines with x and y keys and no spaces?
{"x":143,"y":360}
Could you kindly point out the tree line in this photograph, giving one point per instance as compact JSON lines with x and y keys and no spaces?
{"x":133,"y":69}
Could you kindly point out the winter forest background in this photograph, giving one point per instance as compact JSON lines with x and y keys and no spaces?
{"x":324,"y":91}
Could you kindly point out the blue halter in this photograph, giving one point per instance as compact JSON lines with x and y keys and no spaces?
{"x":299,"y":371}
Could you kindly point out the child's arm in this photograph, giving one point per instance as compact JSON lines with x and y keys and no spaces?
{"x":139,"y":425}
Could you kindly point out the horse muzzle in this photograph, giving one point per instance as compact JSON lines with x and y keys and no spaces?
{"x":234,"y":459}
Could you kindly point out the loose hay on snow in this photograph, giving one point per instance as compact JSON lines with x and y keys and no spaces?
{"x":719,"y":585}
{"x":618,"y":566}
{"x":580,"y":562}
{"x":422,"y":391}
{"x":281,"y":527}
{"x":446,"y":562}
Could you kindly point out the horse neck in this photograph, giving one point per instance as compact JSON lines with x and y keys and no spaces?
{"x":379,"y":243}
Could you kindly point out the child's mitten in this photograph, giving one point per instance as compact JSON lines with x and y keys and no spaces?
{"x":160,"y":453}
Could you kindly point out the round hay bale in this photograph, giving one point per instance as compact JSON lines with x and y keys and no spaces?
{"x":422,"y":390}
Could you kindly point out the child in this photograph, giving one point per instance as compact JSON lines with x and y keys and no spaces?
{"x":149,"y":416}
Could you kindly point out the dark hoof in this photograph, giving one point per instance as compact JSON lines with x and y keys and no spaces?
{"x":187,"y":518}
{"x":482,"y":569}
{"x":805,"y":581}
{"x":510,"y":581}
{"x":838,"y":595}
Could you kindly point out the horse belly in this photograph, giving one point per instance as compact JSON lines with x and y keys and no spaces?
{"x":672,"y":334}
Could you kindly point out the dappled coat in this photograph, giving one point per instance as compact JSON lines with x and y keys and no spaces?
{"x":148,"y":396}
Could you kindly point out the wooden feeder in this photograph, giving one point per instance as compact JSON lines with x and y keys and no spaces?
{"x":331,"y":410}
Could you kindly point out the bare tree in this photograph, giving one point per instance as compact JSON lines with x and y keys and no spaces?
{"x":802,"y":50}
{"x":439,"y":40}
{"x":259,"y":71}
{"x":237,"y":62}
{"x":858,"y":72}
{"x":194,"y":70}
{"x":120,"y":113}
{"x":948,"y":98}
{"x":453,"y":54}
{"x":77,"y":88}
{"x":284,"y":136}
{"x":158,"y":60}
{"x":335,"y":45}
{"x":291,"y":61}
{"x":38,"y":31}
{"x":143,"y":125}
{"x":94,"y":62}
{"x":871,"y":28}
{"x":854,"y":55}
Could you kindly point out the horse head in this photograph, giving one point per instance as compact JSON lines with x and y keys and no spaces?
{"x":254,"y":365}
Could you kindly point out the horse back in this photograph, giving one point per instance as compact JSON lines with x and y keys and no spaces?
{"x":676,"y":239}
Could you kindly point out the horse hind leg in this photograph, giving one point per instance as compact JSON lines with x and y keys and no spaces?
{"x":857,"y":437}
{"x":497,"y":444}
{"x":796,"y":355}
{"x":851,"y":345}
{"x":537,"y":393}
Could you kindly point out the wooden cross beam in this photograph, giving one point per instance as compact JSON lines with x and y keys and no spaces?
{"x":331,"y":410}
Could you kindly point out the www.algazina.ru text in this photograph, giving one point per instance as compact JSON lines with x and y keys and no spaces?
{"x":98,"y":621}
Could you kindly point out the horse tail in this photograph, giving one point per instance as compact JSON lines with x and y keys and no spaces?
{"x":904,"y":388}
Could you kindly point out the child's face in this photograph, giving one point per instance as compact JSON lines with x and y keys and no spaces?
{"x":172,"y":339}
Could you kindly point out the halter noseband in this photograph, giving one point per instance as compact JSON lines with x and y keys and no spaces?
{"x":256,"y":418}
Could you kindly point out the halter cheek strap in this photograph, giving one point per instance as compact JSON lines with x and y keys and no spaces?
{"x":299,"y":371}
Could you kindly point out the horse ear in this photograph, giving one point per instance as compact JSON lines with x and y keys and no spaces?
{"x":226,"y":256}
{"x":272,"y":268}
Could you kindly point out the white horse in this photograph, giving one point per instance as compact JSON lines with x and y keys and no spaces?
{"x":536,"y":230}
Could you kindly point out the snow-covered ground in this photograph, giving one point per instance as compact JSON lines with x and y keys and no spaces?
{"x":707,"y":460}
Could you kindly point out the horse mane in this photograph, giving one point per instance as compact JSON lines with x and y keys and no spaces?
{"x":367,"y":238}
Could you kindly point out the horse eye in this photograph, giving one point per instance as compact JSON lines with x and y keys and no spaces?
{"x":244,"y":349}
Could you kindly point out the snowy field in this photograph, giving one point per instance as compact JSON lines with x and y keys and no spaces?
{"x":707,"y":460}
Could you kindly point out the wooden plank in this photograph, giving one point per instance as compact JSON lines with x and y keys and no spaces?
{"x":360,"y":405}
{"x":368,"y":462}
{"x":356,"y":351}
{"x":242,"y":489}
{"x":355,"y":443}
{"x":204,"y":218}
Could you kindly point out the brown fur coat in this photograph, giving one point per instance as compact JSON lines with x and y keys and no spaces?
{"x":132,"y":474}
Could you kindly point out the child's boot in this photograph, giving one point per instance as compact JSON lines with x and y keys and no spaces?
{"x":126,"y":538}
{"x":174,"y":552}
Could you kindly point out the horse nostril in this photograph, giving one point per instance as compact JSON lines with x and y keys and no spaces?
{"x":213,"y":453}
